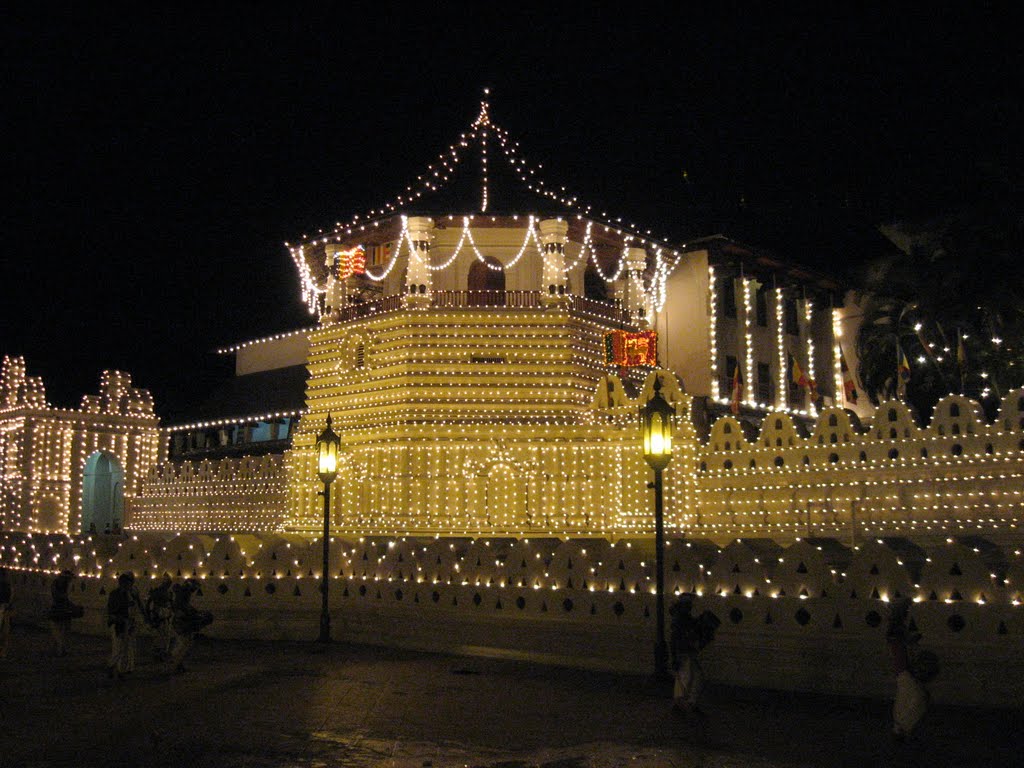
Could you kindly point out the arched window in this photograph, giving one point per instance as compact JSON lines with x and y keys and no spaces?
{"x":954,"y":410}
{"x":892,"y":414}
{"x":833,"y":420}
{"x":727,"y":428}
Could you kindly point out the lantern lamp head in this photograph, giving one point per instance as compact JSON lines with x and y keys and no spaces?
{"x":656,"y":428}
{"x":328,"y":445}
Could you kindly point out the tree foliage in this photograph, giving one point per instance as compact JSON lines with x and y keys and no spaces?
{"x":959,"y":287}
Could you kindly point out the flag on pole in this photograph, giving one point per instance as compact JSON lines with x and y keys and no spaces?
{"x":849,"y":385}
{"x":902,"y":373}
{"x":737,"y":390}
{"x":796,"y":373}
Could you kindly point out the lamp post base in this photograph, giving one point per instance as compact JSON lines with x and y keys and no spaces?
{"x":325,"y":630}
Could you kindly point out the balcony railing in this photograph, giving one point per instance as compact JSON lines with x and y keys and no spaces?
{"x":605,"y":310}
{"x":506,"y":299}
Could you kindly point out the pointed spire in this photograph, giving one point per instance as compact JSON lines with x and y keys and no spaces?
{"x":484,"y":118}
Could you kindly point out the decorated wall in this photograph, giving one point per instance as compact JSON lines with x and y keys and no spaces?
{"x":810,"y":615}
{"x":234,"y":494}
{"x":68,"y":470}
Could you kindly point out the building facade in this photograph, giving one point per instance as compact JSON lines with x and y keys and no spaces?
{"x":68,"y":470}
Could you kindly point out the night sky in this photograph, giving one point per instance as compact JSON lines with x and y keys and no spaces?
{"x":154,"y":164}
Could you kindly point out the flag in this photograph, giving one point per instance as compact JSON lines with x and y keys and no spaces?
{"x":737,"y":390}
{"x":902,"y":373}
{"x":904,"y":367}
{"x":797,"y":374}
{"x":849,"y":386}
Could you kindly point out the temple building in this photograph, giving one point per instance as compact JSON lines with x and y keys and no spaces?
{"x":484,"y":368}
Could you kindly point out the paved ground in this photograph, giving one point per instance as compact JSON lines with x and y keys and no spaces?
{"x":246,"y":705}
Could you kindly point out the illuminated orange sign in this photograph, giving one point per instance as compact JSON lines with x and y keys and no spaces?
{"x":629,"y":348}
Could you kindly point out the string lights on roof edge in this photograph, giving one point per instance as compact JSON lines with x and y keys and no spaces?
{"x":439,"y":172}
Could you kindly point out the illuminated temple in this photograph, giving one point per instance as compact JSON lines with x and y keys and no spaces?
{"x":484,"y":370}
{"x":484,"y":364}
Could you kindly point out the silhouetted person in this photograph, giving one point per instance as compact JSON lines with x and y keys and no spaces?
{"x":123,"y":606}
{"x":62,"y":611}
{"x":158,"y":615}
{"x":186,"y":621}
{"x":913,"y":669}
{"x":688,"y":637}
{"x":6,"y":600}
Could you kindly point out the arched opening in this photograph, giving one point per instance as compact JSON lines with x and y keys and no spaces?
{"x":486,"y":278}
{"x":102,"y":493}
{"x":594,"y":286}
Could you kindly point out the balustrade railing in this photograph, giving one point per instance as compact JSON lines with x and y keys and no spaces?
{"x":507,"y":299}
{"x":604,"y":310}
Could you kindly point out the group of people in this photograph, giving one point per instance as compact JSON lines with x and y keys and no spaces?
{"x":913,"y":667}
{"x":168,"y":610}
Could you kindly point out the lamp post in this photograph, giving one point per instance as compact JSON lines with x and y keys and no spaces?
{"x":327,"y":447}
{"x":656,"y":427}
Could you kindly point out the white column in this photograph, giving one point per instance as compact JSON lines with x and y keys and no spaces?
{"x":554,"y":233}
{"x":336,"y":295}
{"x":634,"y":299}
{"x":417,"y":276}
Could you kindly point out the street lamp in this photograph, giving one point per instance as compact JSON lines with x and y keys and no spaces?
{"x":327,"y":446}
{"x":656,"y":427}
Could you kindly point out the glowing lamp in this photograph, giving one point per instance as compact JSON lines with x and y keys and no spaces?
{"x":656,"y":428}
{"x":327,"y":446}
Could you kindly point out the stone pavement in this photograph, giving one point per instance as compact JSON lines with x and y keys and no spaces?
{"x":257,"y":705}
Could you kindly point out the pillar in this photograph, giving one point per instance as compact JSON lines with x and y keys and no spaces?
{"x":554,"y":233}
{"x":631,"y":288}
{"x":417,"y":275}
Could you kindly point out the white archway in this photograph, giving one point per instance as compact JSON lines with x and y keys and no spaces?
{"x":102,"y":493}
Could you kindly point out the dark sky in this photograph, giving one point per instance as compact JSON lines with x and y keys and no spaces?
{"x":155,"y":163}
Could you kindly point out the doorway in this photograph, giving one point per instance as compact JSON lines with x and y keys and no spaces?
{"x":102,"y":493}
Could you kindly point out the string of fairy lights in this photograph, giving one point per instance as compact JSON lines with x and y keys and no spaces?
{"x":951,"y":571}
{"x":437,"y":175}
{"x":45,"y":452}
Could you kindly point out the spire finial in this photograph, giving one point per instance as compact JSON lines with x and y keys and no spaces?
{"x":484,"y":118}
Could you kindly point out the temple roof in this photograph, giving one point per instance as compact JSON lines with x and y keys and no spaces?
{"x":482,"y":172}
{"x":249,"y":397}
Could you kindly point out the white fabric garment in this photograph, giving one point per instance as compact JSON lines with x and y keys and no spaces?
{"x":689,"y":681}
{"x":910,"y":704}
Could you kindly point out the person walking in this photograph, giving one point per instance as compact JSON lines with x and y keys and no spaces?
{"x":123,"y":605}
{"x":62,"y":611}
{"x":913,"y":669}
{"x":186,"y":621}
{"x":689,"y":635}
{"x":158,"y":616}
{"x":6,"y":600}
